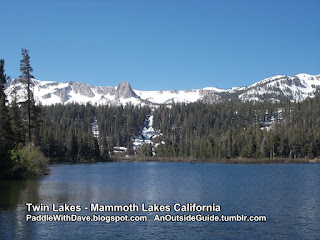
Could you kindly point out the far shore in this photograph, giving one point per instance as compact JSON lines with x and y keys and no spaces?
{"x":231,"y":160}
{"x":133,"y":158}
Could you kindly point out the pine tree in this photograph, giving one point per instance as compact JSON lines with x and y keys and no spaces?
{"x":5,"y":127}
{"x":26,"y":69}
{"x":17,"y":125}
{"x":3,"y":78}
{"x":129,"y":147}
{"x":35,"y":112}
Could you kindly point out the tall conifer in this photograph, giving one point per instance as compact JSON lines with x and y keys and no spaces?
{"x":32,"y":115}
{"x":5,"y":127}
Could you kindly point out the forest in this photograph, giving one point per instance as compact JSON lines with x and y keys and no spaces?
{"x":67,"y":135}
{"x":32,"y":135}
{"x":240,"y":129}
{"x":190,"y":131}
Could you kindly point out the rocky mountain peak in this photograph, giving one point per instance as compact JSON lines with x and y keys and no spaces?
{"x":273,"y":89}
{"x":124,"y":90}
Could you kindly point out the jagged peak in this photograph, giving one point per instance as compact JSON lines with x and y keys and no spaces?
{"x":297,"y":87}
{"x":124,"y":90}
{"x":124,"y":83}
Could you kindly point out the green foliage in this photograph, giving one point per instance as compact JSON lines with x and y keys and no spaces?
{"x":5,"y":127}
{"x":16,"y":159}
{"x":3,"y":78}
{"x":145,"y":150}
{"x":28,"y":161}
{"x":32,"y":111}
{"x":66,"y":130}
{"x":240,"y":129}
{"x":19,"y":129}
{"x":25,"y":65}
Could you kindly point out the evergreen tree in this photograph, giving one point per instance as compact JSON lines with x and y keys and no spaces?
{"x":5,"y":127}
{"x":18,"y":128}
{"x":129,"y":148}
{"x":3,"y":79}
{"x":26,"y":70}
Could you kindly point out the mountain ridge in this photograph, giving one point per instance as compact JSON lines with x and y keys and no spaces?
{"x":276,"y":88}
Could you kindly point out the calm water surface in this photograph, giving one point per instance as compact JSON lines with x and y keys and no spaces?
{"x":287,"y":194}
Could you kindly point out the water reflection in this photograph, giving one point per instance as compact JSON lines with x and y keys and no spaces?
{"x":14,"y":193}
{"x":287,"y":194}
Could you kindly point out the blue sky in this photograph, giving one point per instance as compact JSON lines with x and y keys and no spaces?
{"x":161,"y":45}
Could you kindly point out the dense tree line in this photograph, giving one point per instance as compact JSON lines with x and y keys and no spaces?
{"x":67,"y":135}
{"x":118,"y":125}
{"x":240,"y":129}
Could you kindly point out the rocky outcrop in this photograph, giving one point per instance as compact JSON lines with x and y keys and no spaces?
{"x":274,"y":89}
{"x":124,"y":90}
{"x":105,"y":90}
{"x":81,"y":88}
{"x":63,"y":93}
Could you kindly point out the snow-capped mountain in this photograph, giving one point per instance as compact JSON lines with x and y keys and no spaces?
{"x":296,"y":88}
{"x":274,"y":89}
{"x":48,"y":93}
{"x":277,"y":88}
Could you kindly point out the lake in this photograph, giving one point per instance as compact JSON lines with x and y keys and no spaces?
{"x":288,"y":195}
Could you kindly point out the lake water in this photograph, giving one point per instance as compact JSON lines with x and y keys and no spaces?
{"x":287,"y":194}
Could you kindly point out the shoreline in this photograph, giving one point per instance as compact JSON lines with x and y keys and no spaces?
{"x":228,"y":161}
{"x":193,"y":161}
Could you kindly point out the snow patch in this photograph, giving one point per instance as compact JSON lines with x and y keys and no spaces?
{"x":146,"y":134}
{"x":95,"y":127}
